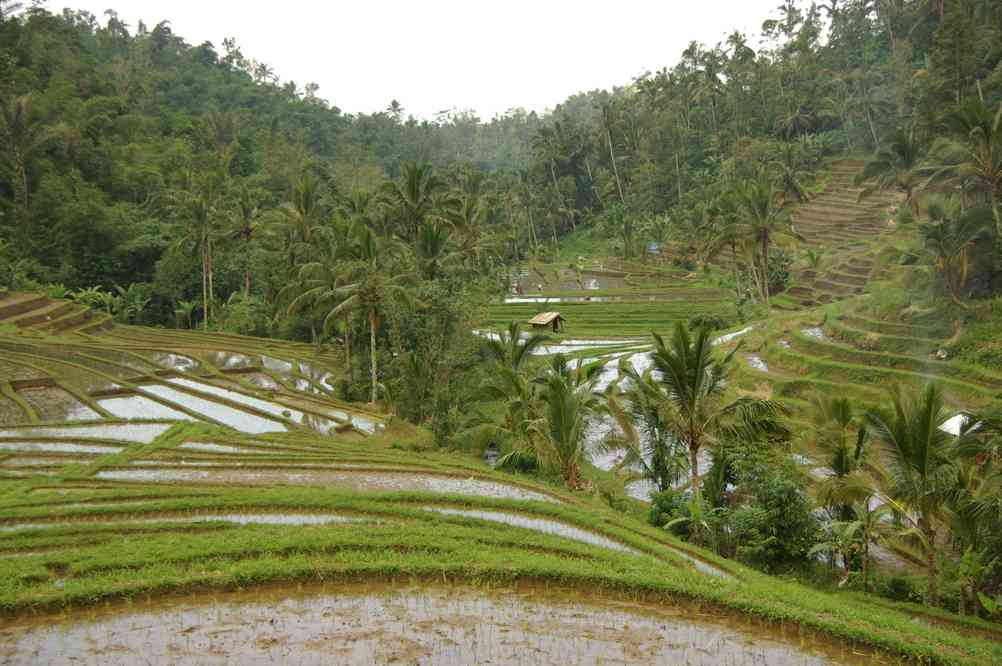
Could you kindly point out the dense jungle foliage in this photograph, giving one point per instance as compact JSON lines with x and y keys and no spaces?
{"x":186,"y":185}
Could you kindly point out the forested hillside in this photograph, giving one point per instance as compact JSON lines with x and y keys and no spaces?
{"x":108,"y":130}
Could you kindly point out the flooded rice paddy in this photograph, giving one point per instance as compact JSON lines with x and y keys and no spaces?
{"x":381,"y":624}
{"x":140,"y":433}
{"x":360,"y":481}
{"x":141,"y":407}
{"x":235,"y":518}
{"x":229,"y":416}
{"x":539,"y":525}
{"x":57,"y":447}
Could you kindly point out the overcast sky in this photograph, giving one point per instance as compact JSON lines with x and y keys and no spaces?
{"x":488,"y":56}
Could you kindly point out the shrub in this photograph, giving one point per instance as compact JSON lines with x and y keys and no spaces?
{"x":666,"y":506}
{"x":898,"y":588}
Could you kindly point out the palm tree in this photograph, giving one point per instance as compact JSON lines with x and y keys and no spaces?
{"x":648,"y":442}
{"x":972,"y":157}
{"x":949,"y":236}
{"x":568,"y":398}
{"x":763,"y":219}
{"x":510,"y":349}
{"x":414,"y":199}
{"x":842,"y":436}
{"x":299,"y":217}
{"x":184,"y":311}
{"x":22,"y":134}
{"x":789,"y":173}
{"x":198,"y":210}
{"x":433,"y":250}
{"x":896,"y":166}
{"x":245,"y":221}
{"x":917,"y":459}
{"x":369,"y":284}
{"x":693,"y":380}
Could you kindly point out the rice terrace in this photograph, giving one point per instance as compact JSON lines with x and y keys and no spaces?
{"x":702,"y":369}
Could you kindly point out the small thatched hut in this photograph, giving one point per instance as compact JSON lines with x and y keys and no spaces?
{"x":547,"y":320}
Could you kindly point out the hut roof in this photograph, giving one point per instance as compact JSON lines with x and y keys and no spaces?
{"x":544,"y":318}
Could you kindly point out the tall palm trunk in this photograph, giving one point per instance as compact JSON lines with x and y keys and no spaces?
{"x":930,"y":562}
{"x":208,"y":257}
{"x":205,"y":290}
{"x":372,"y":352}
{"x":347,"y":345}
{"x":765,"y":268}
{"x":615,"y":169}
{"x":694,"y":468}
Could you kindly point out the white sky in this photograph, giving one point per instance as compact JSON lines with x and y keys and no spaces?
{"x":437,"y":54}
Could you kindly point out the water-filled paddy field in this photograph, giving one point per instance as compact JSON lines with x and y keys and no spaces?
{"x":379,"y":624}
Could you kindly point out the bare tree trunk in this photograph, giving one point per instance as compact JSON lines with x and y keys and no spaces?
{"x":765,"y":268}
{"x":212,"y":295}
{"x":205,"y":290}
{"x":615,"y":169}
{"x":347,"y":345}
{"x":372,"y":352}
{"x":678,"y":177}
{"x":873,"y":131}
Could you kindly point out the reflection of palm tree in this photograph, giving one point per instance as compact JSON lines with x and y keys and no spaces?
{"x":917,"y":459}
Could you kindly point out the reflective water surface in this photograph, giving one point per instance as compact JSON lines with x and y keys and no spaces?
{"x":380,"y":624}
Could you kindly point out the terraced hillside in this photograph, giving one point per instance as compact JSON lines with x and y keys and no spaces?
{"x":136,"y":462}
{"x":617,"y":300}
{"x":847,"y":234}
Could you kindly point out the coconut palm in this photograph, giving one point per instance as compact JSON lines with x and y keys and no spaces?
{"x":184,"y":311}
{"x":763,"y":219}
{"x":568,"y":399}
{"x":22,"y":135}
{"x":841,"y":434}
{"x":510,"y":349}
{"x":416,"y":198}
{"x":948,"y":237}
{"x":197,"y":210}
{"x":246,"y":219}
{"x":898,"y":165}
{"x":298,"y":218}
{"x":369,"y":283}
{"x":920,"y":471}
{"x":692,"y":379}
{"x":434,"y":249}
{"x":972,"y":157}
{"x":648,"y":443}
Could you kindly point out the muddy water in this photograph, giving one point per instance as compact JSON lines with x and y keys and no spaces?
{"x":236,"y":518}
{"x":313,"y":421}
{"x":382,"y":625}
{"x":52,"y":404}
{"x":142,"y":433}
{"x":141,"y":407}
{"x":57,"y":447}
{"x":234,"y":418}
{"x":539,"y":525}
{"x":360,"y":481}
